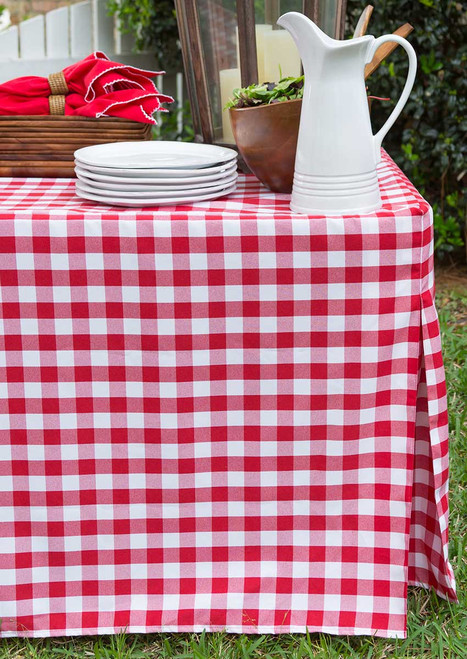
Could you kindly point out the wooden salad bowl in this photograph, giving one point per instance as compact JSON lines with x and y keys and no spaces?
{"x":266,"y":137}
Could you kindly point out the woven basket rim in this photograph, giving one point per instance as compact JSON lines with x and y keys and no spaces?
{"x":67,"y":118}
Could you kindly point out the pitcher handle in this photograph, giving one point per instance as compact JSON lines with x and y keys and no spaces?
{"x":381,"y":134}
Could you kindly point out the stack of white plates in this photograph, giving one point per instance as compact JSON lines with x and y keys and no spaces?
{"x":154,"y":173}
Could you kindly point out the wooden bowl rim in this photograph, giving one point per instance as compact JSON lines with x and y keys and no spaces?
{"x":266,"y":105}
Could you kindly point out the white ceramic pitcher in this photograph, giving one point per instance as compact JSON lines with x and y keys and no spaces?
{"x":337,"y":153}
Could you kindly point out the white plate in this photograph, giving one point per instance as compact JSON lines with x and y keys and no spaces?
{"x":161,"y":183}
{"x":156,"y":173}
{"x":168,"y":201}
{"x":154,"y":155}
{"x":151,"y":193}
{"x":154,"y":190}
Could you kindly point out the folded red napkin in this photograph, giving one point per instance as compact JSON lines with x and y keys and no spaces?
{"x":93,"y":87}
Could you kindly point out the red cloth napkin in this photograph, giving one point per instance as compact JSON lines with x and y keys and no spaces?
{"x":97,"y":88}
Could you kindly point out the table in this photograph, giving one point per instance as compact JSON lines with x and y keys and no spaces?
{"x":220,"y":416}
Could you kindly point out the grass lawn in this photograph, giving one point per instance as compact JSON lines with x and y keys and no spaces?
{"x":436,"y":628}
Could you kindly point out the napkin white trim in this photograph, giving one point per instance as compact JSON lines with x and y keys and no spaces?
{"x":158,"y":107}
{"x":99,"y":55}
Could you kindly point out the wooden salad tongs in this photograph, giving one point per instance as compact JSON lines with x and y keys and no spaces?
{"x":363,"y":21}
{"x":384,"y":50}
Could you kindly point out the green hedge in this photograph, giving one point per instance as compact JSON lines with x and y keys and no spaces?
{"x":154,"y":24}
{"x":429,"y":139}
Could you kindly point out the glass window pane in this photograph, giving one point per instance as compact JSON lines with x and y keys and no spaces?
{"x":277,"y":53}
{"x":219,"y":33}
{"x":327,"y":16}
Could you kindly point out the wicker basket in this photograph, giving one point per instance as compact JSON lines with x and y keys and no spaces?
{"x":44,"y":146}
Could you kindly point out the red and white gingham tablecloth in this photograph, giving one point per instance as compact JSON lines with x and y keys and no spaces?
{"x":219,"y":416}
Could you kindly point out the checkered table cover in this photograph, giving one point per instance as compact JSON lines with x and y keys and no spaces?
{"x":218,"y":416}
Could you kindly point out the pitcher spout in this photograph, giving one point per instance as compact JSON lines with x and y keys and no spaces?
{"x":306,"y":34}
{"x":313,"y":44}
{"x":301,"y":27}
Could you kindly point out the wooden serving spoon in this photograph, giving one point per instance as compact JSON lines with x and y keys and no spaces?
{"x":363,"y":21}
{"x":386,"y":49}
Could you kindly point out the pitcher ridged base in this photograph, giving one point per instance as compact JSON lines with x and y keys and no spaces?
{"x":335,"y":194}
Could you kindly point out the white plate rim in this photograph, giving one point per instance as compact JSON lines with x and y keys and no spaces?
{"x":150,"y":194}
{"x":156,"y":173}
{"x":157,"y":202}
{"x":219,"y":155}
{"x":146,"y":181}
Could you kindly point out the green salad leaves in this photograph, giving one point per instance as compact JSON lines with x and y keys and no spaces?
{"x":287,"y":89}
